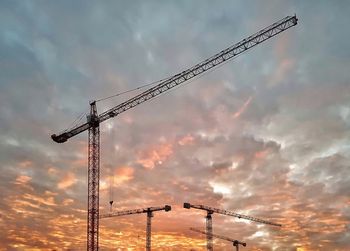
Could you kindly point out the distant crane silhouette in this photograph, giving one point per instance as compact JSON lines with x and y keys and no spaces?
{"x":235,"y":243}
{"x":209,"y":224}
{"x":92,"y":125}
{"x":149,"y":211}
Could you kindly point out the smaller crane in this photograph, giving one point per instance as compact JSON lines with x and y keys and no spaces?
{"x":209,"y":224}
{"x":148,"y":210}
{"x":235,"y":243}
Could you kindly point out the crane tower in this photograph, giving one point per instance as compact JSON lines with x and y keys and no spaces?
{"x":149,"y":211}
{"x":235,"y":243}
{"x":92,"y":125}
{"x":209,"y":226}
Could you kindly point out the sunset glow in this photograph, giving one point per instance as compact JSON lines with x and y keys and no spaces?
{"x":265,"y":135}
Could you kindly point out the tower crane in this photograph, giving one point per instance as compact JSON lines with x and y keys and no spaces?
{"x":235,"y":243}
{"x":209,"y":224}
{"x":92,"y":125}
{"x":149,"y":211}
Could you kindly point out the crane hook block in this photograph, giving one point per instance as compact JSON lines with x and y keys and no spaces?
{"x":167,"y":208}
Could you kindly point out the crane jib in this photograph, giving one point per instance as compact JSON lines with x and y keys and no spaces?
{"x":234,"y":242}
{"x":166,"y":208}
{"x":186,"y":75}
{"x":212,"y":210}
{"x":93,"y":121}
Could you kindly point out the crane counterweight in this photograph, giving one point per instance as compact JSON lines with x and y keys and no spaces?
{"x":59,"y":138}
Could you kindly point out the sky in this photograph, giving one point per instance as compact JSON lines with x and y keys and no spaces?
{"x":265,"y":135}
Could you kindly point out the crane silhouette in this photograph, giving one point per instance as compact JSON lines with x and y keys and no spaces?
{"x":92,"y":125}
{"x":235,"y":243}
{"x":149,"y":211}
{"x":209,"y":223}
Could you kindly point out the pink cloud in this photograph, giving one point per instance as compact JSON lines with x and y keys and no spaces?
{"x":155,"y":155}
{"x":22,"y":179}
{"x":123,"y":174}
{"x":68,"y":180}
{"x":187,"y":140}
{"x":242,"y":108}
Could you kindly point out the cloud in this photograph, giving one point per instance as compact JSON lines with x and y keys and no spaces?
{"x":123,"y":174}
{"x":155,"y":155}
{"x":67,"y":181}
{"x":242,"y":108}
{"x":22,"y":179}
{"x":265,"y":135}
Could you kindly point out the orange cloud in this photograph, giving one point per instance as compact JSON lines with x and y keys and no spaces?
{"x":281,"y":71}
{"x":52,"y":171}
{"x":188,"y":139}
{"x":123,"y":174}
{"x":67,"y":181}
{"x":67,"y":202}
{"x":285,"y":63}
{"x":135,"y":240}
{"x":242,"y":108}
{"x":22,"y":179}
{"x":49,"y":201}
{"x":156,"y":155}
{"x":261,"y":154}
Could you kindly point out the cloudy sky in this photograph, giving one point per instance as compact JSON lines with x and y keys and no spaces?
{"x":266,"y":135}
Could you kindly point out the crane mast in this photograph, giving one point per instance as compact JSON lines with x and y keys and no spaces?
{"x":93,"y":178}
{"x":94,"y":120}
{"x":149,"y":211}
{"x":211,"y":210}
{"x":209,"y":227}
{"x":234,"y":242}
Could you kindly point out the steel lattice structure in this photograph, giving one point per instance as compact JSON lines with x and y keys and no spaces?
{"x":92,"y":124}
{"x":235,"y":243}
{"x":211,"y":210}
{"x":93,"y":177}
{"x":149,"y":211}
{"x":229,"y":213}
{"x":148,"y":230}
{"x":209,"y":227}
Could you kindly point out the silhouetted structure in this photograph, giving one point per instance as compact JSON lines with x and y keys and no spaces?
{"x":211,"y":210}
{"x":92,"y":125}
{"x":235,"y":243}
{"x":149,"y":211}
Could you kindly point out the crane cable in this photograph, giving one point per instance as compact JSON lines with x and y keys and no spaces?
{"x":75,"y":123}
{"x":77,"y":120}
{"x":131,"y":90}
{"x":80,"y":117}
{"x":196,"y":77}
{"x":159,"y":81}
{"x":111,"y":192}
